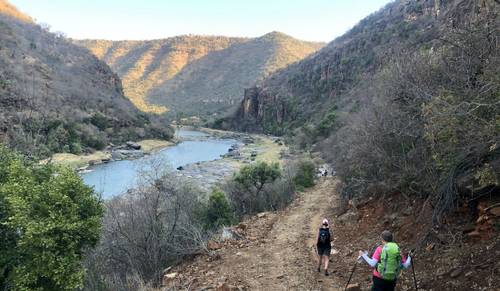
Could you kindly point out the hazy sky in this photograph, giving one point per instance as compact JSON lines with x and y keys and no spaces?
{"x":316,"y":20}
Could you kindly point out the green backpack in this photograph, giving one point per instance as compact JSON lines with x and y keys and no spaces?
{"x":389,"y":266}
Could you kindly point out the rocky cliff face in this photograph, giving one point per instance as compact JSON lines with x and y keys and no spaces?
{"x":196,"y":74}
{"x":306,"y":91}
{"x":56,"y":96}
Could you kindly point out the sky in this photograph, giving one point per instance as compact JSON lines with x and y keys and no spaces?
{"x":313,"y":20}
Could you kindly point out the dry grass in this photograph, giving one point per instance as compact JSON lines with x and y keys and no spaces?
{"x":76,"y":161}
{"x":152,"y":145}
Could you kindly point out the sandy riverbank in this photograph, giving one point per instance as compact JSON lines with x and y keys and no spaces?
{"x":81,"y":161}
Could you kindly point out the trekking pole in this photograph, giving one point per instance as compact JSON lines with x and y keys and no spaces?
{"x":352,"y":273}
{"x":413,"y":270}
{"x":355,"y":265}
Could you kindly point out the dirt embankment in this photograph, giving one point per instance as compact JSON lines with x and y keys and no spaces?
{"x":275,"y":250}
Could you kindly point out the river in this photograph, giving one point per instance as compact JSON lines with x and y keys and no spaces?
{"x":116,"y":177}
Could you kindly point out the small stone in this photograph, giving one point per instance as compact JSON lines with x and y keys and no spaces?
{"x":242,"y":226}
{"x":212,"y":245}
{"x":495,"y":211}
{"x":407,"y":211}
{"x":169,"y":279}
{"x":210,"y":273}
{"x":456,"y":272}
{"x":469,"y":228}
{"x":353,"y":287}
{"x":223,"y":287}
{"x":482,"y":219}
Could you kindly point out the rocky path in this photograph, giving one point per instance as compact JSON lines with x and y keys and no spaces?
{"x":282,"y":258}
{"x":276,"y":251}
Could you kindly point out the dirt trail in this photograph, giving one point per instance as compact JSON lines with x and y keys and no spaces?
{"x":283,"y":257}
{"x":276,"y":252}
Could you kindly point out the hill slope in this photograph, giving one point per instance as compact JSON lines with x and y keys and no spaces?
{"x":405,"y":102}
{"x":56,"y":96}
{"x":195,"y":73}
{"x":308,"y":90}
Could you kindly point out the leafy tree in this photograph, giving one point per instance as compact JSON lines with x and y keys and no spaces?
{"x":304,"y":177}
{"x":250,"y":190}
{"x":326,"y":125}
{"x":218,"y":211}
{"x":48,"y":217}
{"x":257,"y":176}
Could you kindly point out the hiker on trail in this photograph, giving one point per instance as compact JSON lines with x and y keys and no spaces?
{"x":387,"y":261}
{"x":323,"y":245}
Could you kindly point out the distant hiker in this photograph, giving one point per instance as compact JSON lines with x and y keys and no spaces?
{"x":323,"y":245}
{"x":387,"y":261}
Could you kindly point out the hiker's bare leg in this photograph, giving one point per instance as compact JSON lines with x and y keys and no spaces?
{"x":319,"y":261}
{"x":326,"y":262}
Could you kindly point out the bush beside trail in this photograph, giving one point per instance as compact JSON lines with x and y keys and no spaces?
{"x":48,"y":218}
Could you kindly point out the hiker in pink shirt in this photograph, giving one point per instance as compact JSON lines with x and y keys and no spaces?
{"x":387,"y":261}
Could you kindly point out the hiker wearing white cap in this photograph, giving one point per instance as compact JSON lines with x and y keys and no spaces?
{"x":323,"y":245}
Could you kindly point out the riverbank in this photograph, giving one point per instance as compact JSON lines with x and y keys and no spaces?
{"x":252,"y":148}
{"x":204,"y":156}
{"x":81,"y":162}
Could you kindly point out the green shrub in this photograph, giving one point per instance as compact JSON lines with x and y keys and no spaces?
{"x":251,"y":189}
{"x":217,"y":212}
{"x":76,"y":148}
{"x":255,"y":177}
{"x":327,"y":124}
{"x":48,"y":217}
{"x":99,"y":120}
{"x":304,"y":177}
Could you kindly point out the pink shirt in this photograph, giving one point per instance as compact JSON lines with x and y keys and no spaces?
{"x":376,"y":256}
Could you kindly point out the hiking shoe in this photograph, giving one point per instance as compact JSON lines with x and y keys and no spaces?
{"x":326,"y":273}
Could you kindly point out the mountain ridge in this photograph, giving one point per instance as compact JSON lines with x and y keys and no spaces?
{"x":172,"y":62}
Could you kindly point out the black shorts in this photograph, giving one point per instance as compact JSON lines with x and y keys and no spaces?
{"x":324,"y":250}
{"x":383,"y":285}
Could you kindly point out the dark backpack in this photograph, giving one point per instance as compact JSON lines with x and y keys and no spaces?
{"x":324,"y":236}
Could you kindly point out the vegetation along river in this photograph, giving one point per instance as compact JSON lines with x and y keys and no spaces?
{"x":117,"y":177}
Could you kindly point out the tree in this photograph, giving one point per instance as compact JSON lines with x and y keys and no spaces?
{"x":247,"y":189}
{"x":304,"y":177}
{"x":258,"y":175}
{"x":218,"y":211}
{"x":49,"y":217}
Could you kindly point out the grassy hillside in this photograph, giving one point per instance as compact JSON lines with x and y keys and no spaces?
{"x":195,"y":74}
{"x":56,"y":96}
{"x":406,"y":102}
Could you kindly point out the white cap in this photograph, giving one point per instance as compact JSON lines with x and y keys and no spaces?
{"x":325,"y":221}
